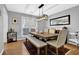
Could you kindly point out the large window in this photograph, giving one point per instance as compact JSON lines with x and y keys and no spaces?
{"x":28,"y":23}
{"x":25,"y":26}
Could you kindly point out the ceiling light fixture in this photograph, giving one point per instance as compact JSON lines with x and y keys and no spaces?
{"x":43,"y":16}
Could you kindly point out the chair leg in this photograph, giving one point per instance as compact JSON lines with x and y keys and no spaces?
{"x":63,"y":50}
{"x":38,"y":51}
{"x":46,"y":50}
{"x":57,"y":51}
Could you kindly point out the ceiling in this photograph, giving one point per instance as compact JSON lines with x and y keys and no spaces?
{"x":32,"y":9}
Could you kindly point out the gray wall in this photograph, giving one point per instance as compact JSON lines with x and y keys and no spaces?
{"x":74,"y":19}
{"x":0,"y":12}
{"x":19,"y":21}
{"x":3,"y":26}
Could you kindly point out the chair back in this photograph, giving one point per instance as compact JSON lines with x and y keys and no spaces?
{"x":52,"y":30}
{"x":62,"y":37}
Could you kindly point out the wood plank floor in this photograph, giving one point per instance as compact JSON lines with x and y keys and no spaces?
{"x":74,"y":50}
{"x":18,"y":48}
{"x":15,"y":48}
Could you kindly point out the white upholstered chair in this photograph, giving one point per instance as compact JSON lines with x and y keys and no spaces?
{"x":51,"y":30}
{"x":60,"y":40}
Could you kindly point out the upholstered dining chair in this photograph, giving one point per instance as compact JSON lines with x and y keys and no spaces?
{"x":60,"y":40}
{"x":51,"y":30}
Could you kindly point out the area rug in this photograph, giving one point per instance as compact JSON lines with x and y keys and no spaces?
{"x":33,"y":51}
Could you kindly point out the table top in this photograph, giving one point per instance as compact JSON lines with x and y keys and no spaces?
{"x":45,"y":35}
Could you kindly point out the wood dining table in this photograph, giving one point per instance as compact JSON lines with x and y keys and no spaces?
{"x":45,"y":36}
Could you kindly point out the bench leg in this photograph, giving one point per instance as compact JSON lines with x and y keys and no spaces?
{"x":38,"y":51}
{"x":46,"y":50}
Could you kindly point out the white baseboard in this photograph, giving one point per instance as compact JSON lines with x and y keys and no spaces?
{"x":2,"y":52}
{"x":72,"y":43}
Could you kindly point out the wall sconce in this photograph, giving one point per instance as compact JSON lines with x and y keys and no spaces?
{"x":14,"y":19}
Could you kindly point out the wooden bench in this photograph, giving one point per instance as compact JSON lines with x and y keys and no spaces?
{"x":37,"y":43}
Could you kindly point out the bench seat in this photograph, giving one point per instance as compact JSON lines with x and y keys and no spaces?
{"x":37,"y":43}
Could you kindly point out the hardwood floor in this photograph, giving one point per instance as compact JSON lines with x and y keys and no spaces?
{"x":74,"y":50}
{"x":15,"y":48}
{"x":18,"y":48}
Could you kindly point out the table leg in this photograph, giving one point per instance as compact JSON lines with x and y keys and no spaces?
{"x":45,"y":39}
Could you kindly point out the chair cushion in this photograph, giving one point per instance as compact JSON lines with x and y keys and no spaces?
{"x":53,"y":43}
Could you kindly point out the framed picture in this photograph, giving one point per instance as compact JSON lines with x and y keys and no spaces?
{"x":63,"y":20}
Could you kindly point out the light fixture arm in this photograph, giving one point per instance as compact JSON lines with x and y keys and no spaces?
{"x":39,"y":12}
{"x":43,"y":16}
{"x":42,"y":11}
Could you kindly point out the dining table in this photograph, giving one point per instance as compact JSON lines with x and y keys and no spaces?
{"x":44,"y":35}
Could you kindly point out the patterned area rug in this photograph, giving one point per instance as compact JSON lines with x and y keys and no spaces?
{"x":33,"y":51}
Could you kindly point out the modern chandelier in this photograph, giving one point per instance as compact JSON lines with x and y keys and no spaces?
{"x":43,"y":16}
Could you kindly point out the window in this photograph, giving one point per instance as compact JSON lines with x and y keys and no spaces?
{"x":25,"y":26}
